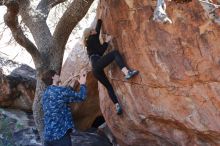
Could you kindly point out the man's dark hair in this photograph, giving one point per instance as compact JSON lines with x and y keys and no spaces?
{"x":47,"y":77}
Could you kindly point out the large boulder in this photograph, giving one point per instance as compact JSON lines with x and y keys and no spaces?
{"x":17,"y":86}
{"x":175,"y":100}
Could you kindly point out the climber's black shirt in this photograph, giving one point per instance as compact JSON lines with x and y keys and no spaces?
{"x":94,"y":47}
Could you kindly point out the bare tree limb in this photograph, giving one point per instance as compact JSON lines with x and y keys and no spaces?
{"x":11,"y":20}
{"x":71,"y":17}
{"x":35,"y":21}
{"x":1,"y":2}
{"x":53,"y":3}
{"x":160,"y":12}
{"x":46,"y":5}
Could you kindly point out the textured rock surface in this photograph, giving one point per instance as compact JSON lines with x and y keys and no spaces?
{"x":16,"y":89}
{"x":89,"y":139}
{"x":18,"y":128}
{"x":175,"y":100}
{"x":86,"y":112}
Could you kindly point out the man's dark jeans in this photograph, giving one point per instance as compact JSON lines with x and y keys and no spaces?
{"x":63,"y":141}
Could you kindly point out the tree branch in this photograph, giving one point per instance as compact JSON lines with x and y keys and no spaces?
{"x":53,"y":3}
{"x":74,"y":13}
{"x":11,"y":20}
{"x":160,"y":14}
{"x":45,"y":6}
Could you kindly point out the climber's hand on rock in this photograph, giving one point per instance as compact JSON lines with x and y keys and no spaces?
{"x":108,"y":38}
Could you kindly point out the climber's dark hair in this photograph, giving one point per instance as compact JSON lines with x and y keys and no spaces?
{"x":47,"y":77}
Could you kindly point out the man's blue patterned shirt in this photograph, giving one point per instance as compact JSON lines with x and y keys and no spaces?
{"x":57,"y":113}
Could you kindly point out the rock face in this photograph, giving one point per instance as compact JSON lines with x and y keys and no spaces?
{"x":89,"y":139}
{"x":17,"y":89}
{"x":86,"y":112}
{"x":175,"y":100}
{"x":18,"y":128}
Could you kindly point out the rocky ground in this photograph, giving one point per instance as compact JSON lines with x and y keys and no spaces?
{"x":17,"y":128}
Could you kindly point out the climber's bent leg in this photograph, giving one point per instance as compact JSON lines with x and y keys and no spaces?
{"x":100,"y":75}
{"x":110,"y":57}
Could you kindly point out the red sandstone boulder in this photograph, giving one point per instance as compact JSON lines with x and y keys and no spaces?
{"x":17,"y":88}
{"x":175,"y":100}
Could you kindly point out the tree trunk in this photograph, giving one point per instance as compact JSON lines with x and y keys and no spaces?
{"x":174,"y":101}
{"x":37,"y":107}
{"x":49,"y":49}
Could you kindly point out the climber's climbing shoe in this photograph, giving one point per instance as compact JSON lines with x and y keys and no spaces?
{"x":131,"y":73}
{"x":118,"y":108}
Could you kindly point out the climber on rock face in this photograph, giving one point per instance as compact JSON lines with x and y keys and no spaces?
{"x":95,"y":52}
{"x":58,"y":122}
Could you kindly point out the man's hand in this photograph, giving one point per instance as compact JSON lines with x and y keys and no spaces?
{"x":82,"y":77}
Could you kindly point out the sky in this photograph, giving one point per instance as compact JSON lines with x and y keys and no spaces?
{"x":17,"y":53}
{"x":10,"y":51}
